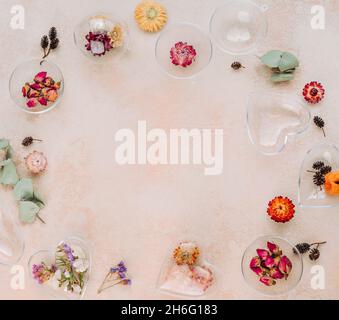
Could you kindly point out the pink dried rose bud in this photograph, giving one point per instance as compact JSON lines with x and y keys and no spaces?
{"x":33,"y":94}
{"x":36,"y":162}
{"x":48,"y":82}
{"x":268,"y":281}
{"x":263,"y":254}
{"x":31,"y":103}
{"x":40,"y":77}
{"x":36,"y":86}
{"x":276,"y":274}
{"x":258,"y":271}
{"x":52,"y":95}
{"x":182,"y":54}
{"x":269,"y":262}
{"x":25,"y":90}
{"x":255,"y":262}
{"x":285,"y":266}
{"x":273,"y":248}
{"x":42,"y":101}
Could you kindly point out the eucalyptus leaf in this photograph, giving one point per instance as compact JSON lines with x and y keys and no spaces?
{"x":9,"y":152}
{"x":272,"y":58}
{"x":282,"y":77}
{"x":23,"y":190}
{"x":4,"y":143}
{"x":9,"y":175}
{"x":288,"y":61}
{"x":28,"y":211}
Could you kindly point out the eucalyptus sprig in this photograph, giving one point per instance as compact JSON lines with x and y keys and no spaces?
{"x":282,"y":64}
{"x":29,"y":202}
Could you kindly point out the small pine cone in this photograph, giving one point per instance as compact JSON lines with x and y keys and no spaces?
{"x":27,"y":141}
{"x":319,"y":122}
{"x":325,"y":170}
{"x":318,"y":179}
{"x":36,"y":162}
{"x":53,"y":33}
{"x":302,"y":248}
{"x":314,"y":254}
{"x":236,"y":65}
{"x":54,"y":43}
{"x":318,"y":165}
{"x":44,"y":42}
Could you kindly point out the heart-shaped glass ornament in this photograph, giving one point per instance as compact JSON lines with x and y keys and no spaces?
{"x":63,"y":271}
{"x":187,"y":273}
{"x":272,"y":118}
{"x":319,"y":190}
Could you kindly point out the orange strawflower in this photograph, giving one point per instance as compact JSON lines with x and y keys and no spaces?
{"x":281,"y":209}
{"x":186,"y":253}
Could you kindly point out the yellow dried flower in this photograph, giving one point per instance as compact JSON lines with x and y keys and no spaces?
{"x":186,"y":253}
{"x":150,"y":16}
{"x":117,"y":36}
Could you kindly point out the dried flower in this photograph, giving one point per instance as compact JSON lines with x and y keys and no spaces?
{"x":28,"y":141}
{"x":320,"y":123}
{"x":182,"y":54}
{"x":281,"y":209}
{"x":116,"y":275}
{"x":150,"y":16}
{"x":186,"y":253}
{"x":313,"y":92}
{"x":236,"y":65}
{"x":117,"y":36}
{"x":36,"y":162}
{"x":303,"y":248}
{"x":332,"y":183}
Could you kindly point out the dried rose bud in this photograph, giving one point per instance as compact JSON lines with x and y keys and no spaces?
{"x":263,"y":254}
{"x":268,"y":281}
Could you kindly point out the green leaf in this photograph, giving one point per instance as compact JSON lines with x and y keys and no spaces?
{"x":28,"y":211}
{"x":288,"y":61}
{"x":281,"y":77}
{"x":4,"y":143}
{"x":23,"y":190}
{"x":272,"y":58}
{"x":9,"y":154}
{"x":8,"y":174}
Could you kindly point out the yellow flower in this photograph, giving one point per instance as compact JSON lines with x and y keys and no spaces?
{"x":117,"y":36}
{"x":186,"y":253}
{"x":150,"y":16}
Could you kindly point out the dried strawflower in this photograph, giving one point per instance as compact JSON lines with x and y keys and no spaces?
{"x":313,"y":92}
{"x":117,"y":36}
{"x":28,"y":141}
{"x":320,"y":123}
{"x":150,"y":16}
{"x":236,"y":65}
{"x":116,"y":275}
{"x":332,"y":183}
{"x":281,"y":209}
{"x":182,"y":54}
{"x":36,"y":162}
{"x":186,"y":253}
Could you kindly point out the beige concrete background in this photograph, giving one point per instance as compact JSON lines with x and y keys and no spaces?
{"x":137,"y":213}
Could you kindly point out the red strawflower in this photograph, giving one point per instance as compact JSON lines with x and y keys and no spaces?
{"x":281,"y":209}
{"x":313,"y":92}
{"x":182,"y":54}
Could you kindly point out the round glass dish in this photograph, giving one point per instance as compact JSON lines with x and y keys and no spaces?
{"x":11,"y":244}
{"x":238,"y":26}
{"x":283,"y":285}
{"x":25,"y":73}
{"x":186,"y":34}
{"x":102,"y":37}
{"x":310,"y":195}
{"x":49,"y":257}
{"x":272,"y":118}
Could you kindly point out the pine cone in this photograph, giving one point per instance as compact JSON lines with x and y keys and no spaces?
{"x":318,"y":179}
{"x":302,"y":248}
{"x":27,"y":141}
{"x":236,"y":65}
{"x":44,"y":42}
{"x":318,"y":165}
{"x":325,"y":170}
{"x":319,"y":122}
{"x":54,"y":43}
{"x":314,"y":254}
{"x":53,"y":33}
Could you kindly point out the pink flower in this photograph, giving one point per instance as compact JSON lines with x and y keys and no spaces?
{"x":31,"y":103}
{"x":42,"y":101}
{"x":35,"y":86}
{"x":258,"y":271}
{"x":255,"y":262}
{"x":273,"y":248}
{"x":40,"y":77}
{"x":269,"y":262}
{"x":285,"y":266}
{"x":182,"y":54}
{"x":268,"y":281}
{"x":263,"y":254}
{"x":276,"y":274}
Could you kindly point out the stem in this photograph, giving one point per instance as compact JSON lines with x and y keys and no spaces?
{"x":101,"y":289}
{"x":311,"y":171}
{"x":318,"y":243}
{"x":324,"y":132}
{"x":37,"y":140}
{"x":37,"y":215}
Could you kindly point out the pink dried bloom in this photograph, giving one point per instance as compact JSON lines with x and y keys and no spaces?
{"x":258,"y":271}
{"x":269,"y":262}
{"x":98,"y":38}
{"x":263,"y":254}
{"x":31,"y":103}
{"x":273,"y":248}
{"x":42,"y":273}
{"x":40,"y":77}
{"x":285,"y":266}
{"x":268,"y":281}
{"x":42,"y":101}
{"x":276,"y":274}
{"x":182,"y":54}
{"x":255,"y":262}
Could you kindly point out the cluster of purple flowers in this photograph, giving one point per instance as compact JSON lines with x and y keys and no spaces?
{"x":42,"y":273}
{"x":69,"y":253}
